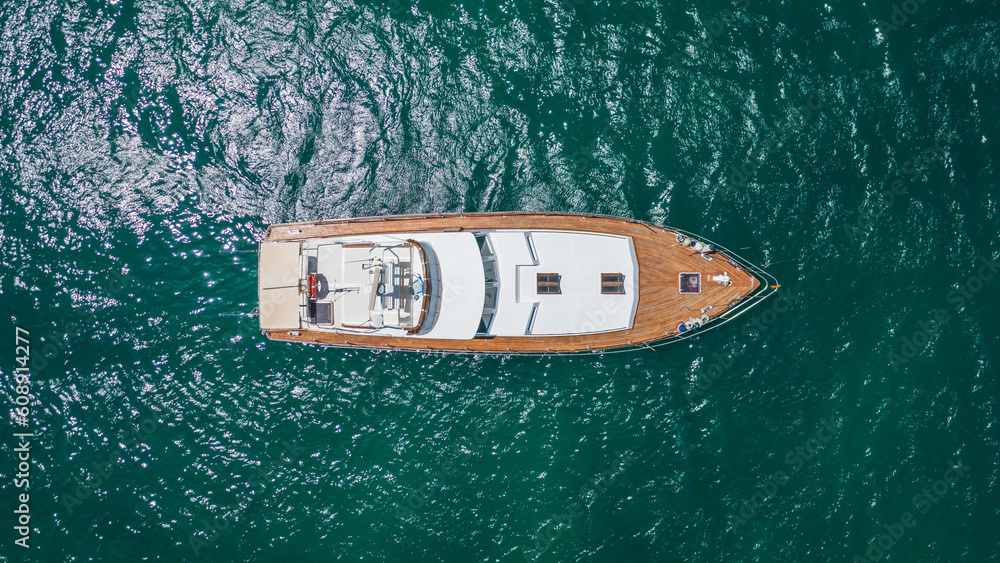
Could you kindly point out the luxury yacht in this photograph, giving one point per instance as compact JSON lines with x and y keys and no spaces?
{"x":497,"y":283}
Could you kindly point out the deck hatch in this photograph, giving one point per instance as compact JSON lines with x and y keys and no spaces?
{"x":613,"y":284}
{"x":322,"y":312}
{"x":689,"y":282}
{"x":547,"y":283}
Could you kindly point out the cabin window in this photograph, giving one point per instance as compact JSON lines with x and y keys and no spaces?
{"x":490,"y":299}
{"x":489,"y":309}
{"x":490,"y":270}
{"x":612,"y":284}
{"x":484,"y":323}
{"x":548,"y":283}
{"x":484,"y":245}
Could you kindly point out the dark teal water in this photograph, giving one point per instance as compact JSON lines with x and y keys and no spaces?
{"x":141,"y":143}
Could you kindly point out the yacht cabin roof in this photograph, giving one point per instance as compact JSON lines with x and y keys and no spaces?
{"x":451,"y":285}
{"x":578,"y":260}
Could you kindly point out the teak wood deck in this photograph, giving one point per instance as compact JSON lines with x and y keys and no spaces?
{"x":661,"y":306}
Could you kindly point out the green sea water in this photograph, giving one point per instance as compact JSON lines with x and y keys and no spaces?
{"x":852,"y":147}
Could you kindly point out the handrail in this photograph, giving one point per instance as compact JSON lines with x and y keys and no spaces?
{"x":427,"y":287}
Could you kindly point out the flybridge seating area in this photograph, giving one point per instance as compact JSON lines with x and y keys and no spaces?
{"x":400,"y":284}
{"x":452,"y":285}
{"x":364,"y":285}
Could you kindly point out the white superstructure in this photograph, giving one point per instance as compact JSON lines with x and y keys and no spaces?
{"x":451,"y":285}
